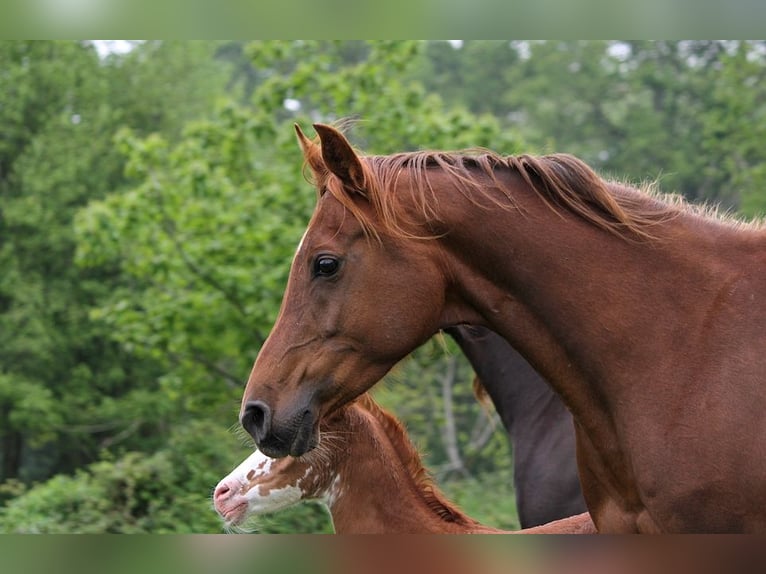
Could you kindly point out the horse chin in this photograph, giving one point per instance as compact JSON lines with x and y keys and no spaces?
{"x":273,"y":450}
{"x":306,"y":438}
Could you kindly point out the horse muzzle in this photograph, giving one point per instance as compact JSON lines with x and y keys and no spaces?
{"x":295,"y":437}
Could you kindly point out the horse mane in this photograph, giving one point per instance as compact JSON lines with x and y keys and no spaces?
{"x":410,"y":459}
{"x":564,"y":182}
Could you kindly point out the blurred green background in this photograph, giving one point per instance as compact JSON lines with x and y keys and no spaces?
{"x":394,"y":19}
{"x":151,"y":198}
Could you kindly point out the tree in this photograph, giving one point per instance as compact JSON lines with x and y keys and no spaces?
{"x":473,"y":74}
{"x":51,"y":103}
{"x":67,"y":388}
{"x":733,"y":129}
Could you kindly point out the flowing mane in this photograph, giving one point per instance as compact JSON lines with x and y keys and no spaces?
{"x":410,"y":459}
{"x":562,"y":181}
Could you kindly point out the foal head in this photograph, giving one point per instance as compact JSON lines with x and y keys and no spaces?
{"x":342,"y":324}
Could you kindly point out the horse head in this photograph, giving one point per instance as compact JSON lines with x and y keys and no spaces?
{"x":341,"y":326}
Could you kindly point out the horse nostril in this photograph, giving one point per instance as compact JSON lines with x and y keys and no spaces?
{"x":257,"y":419}
{"x":221,"y":492}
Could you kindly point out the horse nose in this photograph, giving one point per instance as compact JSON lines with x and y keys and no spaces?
{"x":222,"y":492}
{"x":256,"y":420}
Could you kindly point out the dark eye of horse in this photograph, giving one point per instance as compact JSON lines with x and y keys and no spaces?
{"x":325,"y":266}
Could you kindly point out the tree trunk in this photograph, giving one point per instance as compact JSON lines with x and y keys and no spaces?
{"x":449,"y":432}
{"x":11,"y":450}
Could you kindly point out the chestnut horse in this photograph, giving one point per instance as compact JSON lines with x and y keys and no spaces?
{"x":644,"y":314}
{"x":540,"y":428}
{"x":368,"y":474}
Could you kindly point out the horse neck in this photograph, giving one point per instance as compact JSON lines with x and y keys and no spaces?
{"x":563,"y":291}
{"x":377,"y":491}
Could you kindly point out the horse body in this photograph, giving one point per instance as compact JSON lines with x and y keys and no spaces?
{"x":367,"y":473}
{"x":645,"y":317}
{"x":545,"y":477}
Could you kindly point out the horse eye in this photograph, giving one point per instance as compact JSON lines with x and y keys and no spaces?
{"x":325,"y":266}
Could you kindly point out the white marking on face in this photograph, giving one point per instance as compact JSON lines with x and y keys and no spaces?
{"x":252,"y":468}
{"x":300,"y":243}
{"x":276,"y":499}
{"x":260,"y":498}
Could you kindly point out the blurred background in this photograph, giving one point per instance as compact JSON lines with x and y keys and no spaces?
{"x":151,"y":199}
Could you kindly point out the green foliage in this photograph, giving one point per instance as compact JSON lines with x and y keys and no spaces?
{"x":373,"y":83}
{"x":71,"y":386}
{"x":167,"y":491}
{"x":52,"y":94}
{"x":161,"y":85}
{"x":735,"y":128}
{"x":473,"y":74}
{"x":28,"y":405}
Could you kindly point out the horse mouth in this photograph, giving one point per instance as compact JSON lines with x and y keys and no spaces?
{"x":306,"y":437}
{"x":233,"y":515}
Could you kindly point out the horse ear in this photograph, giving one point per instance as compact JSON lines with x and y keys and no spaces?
{"x":304,"y":142}
{"x":311,"y":152}
{"x":339,"y":156}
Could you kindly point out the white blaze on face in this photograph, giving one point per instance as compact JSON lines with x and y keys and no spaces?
{"x":300,"y":243}
{"x":263,"y":493}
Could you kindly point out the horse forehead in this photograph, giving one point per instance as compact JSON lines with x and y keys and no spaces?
{"x":331,"y":222}
{"x":300,"y":243}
